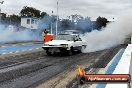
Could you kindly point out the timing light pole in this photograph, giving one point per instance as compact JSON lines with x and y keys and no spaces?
{"x":51,"y":23}
{"x":57,"y":20}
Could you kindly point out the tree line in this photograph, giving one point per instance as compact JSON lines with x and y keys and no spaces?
{"x":77,"y":22}
{"x":25,"y":12}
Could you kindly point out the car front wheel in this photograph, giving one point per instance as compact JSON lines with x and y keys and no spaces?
{"x":70,"y":52}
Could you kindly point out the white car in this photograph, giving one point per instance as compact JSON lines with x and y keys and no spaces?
{"x":64,"y":43}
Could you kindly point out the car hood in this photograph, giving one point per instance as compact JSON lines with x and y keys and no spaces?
{"x":59,"y":42}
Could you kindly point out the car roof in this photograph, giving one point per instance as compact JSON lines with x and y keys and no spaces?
{"x":67,"y":34}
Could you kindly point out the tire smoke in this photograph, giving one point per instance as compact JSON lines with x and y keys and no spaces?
{"x":114,"y":34}
{"x":12,"y":36}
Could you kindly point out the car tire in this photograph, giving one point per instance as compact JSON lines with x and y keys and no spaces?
{"x":70,"y":52}
{"x":48,"y":53}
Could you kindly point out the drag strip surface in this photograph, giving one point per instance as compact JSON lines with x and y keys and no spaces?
{"x":40,"y":67}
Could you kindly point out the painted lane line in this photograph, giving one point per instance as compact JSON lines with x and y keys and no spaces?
{"x":111,"y":66}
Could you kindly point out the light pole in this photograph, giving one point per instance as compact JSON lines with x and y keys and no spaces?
{"x":0,"y":10}
{"x":57,"y":19}
{"x":51,"y":23}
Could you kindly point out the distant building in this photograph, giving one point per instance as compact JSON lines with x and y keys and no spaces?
{"x":29,"y":22}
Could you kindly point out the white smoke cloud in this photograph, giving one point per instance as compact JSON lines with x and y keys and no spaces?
{"x":11,"y":36}
{"x":114,"y":34}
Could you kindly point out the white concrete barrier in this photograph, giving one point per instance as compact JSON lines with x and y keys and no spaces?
{"x":109,"y":69}
{"x":123,"y":67}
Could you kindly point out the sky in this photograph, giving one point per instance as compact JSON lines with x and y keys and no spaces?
{"x":91,"y":8}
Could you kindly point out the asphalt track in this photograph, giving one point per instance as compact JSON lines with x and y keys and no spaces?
{"x":37,"y":67}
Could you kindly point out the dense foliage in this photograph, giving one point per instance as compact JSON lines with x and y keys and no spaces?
{"x":73,"y":22}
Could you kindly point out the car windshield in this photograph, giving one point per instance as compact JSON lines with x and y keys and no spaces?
{"x":64,"y":37}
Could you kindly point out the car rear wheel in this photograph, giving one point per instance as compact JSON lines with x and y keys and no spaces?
{"x":48,"y":53}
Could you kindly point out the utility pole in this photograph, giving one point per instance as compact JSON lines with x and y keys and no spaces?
{"x":0,"y":10}
{"x":51,"y":23}
{"x":57,"y":19}
{"x":10,"y":20}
